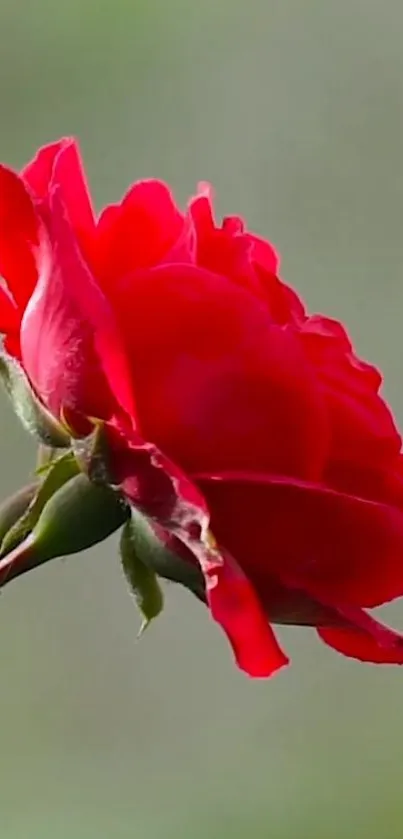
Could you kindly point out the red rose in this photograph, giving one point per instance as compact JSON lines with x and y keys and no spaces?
{"x":226,"y":405}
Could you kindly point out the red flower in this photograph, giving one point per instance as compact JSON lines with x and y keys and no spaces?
{"x":227,"y":406}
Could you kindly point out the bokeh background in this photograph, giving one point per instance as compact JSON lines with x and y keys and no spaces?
{"x":294,"y":110}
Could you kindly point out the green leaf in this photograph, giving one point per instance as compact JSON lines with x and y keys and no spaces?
{"x":57,"y":473}
{"x":33,"y":415}
{"x":142,"y":579}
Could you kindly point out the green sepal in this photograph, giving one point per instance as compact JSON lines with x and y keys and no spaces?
{"x":58,"y":472}
{"x":92,"y":455}
{"x":44,"y":458}
{"x":163,"y":561}
{"x":33,"y":415}
{"x":141,"y":578}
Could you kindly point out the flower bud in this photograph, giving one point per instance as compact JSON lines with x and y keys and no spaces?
{"x":15,"y":506}
{"x":57,"y":473}
{"x":77,"y":516}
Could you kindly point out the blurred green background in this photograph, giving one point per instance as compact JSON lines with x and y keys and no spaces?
{"x":293,"y":109}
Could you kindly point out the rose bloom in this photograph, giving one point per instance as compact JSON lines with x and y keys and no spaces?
{"x":177,"y":332}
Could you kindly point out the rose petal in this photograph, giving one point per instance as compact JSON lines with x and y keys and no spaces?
{"x":365,"y":441}
{"x":354,"y":633}
{"x":236,"y":607}
{"x":9,"y":315}
{"x":248,"y":260}
{"x":224,"y":250}
{"x":150,"y":482}
{"x":335,"y":547}
{"x":378,"y":644}
{"x":19,"y":237}
{"x":59,"y":165}
{"x":216,"y":384}
{"x":139,"y":232}
{"x":70,"y":343}
{"x":264,"y":254}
